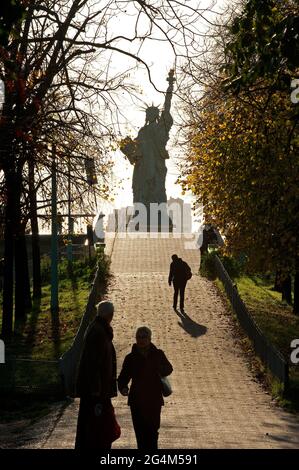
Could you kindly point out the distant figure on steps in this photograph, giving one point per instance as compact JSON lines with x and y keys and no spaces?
{"x":179,"y":274}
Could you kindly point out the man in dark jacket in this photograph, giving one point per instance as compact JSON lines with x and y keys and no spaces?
{"x":145,"y":366}
{"x":179,"y":274}
{"x":96,"y":384}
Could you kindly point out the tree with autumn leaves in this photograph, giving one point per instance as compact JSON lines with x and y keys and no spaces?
{"x":242,"y":161}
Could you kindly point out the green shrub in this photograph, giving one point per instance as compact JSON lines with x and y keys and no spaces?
{"x":233,"y":266}
{"x":207,"y":265}
{"x":103,"y":263}
{"x":83,"y":268}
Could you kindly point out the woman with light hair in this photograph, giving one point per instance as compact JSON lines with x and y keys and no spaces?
{"x":144,"y":366}
{"x":96,"y":384}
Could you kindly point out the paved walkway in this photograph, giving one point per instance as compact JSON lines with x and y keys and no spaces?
{"x":216,"y":403}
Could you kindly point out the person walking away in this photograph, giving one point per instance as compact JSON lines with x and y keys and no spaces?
{"x":144,"y":366}
{"x":179,"y":274}
{"x":96,"y":384}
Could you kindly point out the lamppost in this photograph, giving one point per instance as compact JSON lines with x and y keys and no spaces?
{"x":54,"y":238}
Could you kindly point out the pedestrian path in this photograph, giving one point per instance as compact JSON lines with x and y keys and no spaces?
{"x":216,"y":403}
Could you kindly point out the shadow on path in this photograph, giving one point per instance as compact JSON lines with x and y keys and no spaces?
{"x":36,"y":310}
{"x":191,"y":327}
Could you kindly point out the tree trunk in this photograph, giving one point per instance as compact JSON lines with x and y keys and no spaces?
{"x":286,"y":289}
{"x":277,"y":283}
{"x":23,"y":298}
{"x":22,"y":281}
{"x":36,"y":270}
{"x":8,"y":275}
{"x":9,"y":252}
{"x":296,"y":289}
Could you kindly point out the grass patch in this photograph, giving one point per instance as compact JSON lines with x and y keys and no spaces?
{"x":274,"y":317}
{"x":42,"y":336}
{"x":278,"y":323}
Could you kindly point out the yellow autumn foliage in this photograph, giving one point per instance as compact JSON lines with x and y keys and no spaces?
{"x":243,"y":165}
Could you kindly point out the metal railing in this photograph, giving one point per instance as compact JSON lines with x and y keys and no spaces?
{"x":30,"y":376}
{"x":269,"y":355}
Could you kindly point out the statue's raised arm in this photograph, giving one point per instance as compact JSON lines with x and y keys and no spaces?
{"x":169,"y":91}
{"x":166,"y":119}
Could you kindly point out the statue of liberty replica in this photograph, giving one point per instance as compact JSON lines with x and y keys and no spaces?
{"x":148,"y":154}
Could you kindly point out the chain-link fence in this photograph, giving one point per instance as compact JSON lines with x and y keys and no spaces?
{"x":269,"y":355}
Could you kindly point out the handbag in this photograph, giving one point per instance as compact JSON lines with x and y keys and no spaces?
{"x":103,"y":427}
{"x":110,"y":424}
{"x":166,"y":387}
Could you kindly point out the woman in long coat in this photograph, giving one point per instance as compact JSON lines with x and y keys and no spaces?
{"x":145,"y":366}
{"x":96,"y":384}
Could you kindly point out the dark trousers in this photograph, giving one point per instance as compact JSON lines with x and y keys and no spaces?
{"x":179,"y":287}
{"x":146,"y":424}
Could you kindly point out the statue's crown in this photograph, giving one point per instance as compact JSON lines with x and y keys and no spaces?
{"x":152,"y":108}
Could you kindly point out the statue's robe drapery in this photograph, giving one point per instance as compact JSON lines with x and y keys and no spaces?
{"x":150,"y":168}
